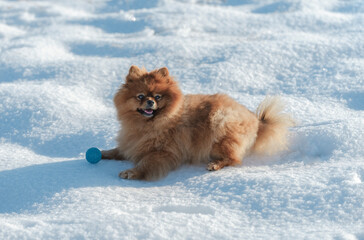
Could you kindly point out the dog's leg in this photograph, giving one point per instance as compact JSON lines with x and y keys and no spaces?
{"x":112,"y":154}
{"x":232,"y":148}
{"x":152,"y":167}
{"x":223,"y":154}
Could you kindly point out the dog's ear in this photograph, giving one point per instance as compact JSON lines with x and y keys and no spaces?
{"x":134,"y":73}
{"x":134,"y":70}
{"x":163,"y":71}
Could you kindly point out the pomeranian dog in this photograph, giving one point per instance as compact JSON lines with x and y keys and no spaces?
{"x":161,"y":128}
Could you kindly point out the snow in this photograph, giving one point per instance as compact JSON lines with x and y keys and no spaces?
{"x":62,"y":61}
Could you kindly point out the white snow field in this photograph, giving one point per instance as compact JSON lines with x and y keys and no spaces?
{"x":62,"y":61}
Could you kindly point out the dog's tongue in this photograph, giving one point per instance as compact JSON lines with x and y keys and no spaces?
{"x":148,"y":111}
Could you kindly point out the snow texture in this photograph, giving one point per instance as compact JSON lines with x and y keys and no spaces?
{"x":62,"y":61}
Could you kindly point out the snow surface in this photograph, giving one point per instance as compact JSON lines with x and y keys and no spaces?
{"x":62,"y":61}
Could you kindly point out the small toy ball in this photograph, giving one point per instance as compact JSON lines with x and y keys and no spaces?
{"x":93,"y":155}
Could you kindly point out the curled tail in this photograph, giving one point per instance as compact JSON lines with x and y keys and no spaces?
{"x":273,"y":127}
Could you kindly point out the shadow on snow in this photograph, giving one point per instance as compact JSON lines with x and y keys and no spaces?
{"x":23,"y":189}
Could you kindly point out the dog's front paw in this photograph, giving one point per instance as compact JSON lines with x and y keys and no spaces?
{"x":130,"y":174}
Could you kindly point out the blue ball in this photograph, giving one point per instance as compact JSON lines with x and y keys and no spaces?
{"x":93,"y":155}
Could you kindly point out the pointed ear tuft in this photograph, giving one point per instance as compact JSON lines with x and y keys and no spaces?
{"x":163,"y":71}
{"x":134,"y":73}
{"x":134,"y":70}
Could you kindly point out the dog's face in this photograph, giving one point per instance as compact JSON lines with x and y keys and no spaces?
{"x":148,"y":103}
{"x":148,"y":96}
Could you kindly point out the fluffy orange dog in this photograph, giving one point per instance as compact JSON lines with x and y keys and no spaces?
{"x":163,"y":129}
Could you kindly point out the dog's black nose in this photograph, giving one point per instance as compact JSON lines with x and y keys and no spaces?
{"x":150,"y":102}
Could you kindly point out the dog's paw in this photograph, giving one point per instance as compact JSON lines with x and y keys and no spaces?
{"x":213,"y":166}
{"x":130,"y":174}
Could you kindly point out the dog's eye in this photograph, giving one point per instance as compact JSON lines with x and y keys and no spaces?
{"x":140,"y":96}
{"x":157,"y":97}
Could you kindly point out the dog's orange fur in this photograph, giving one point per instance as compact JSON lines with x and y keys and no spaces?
{"x":190,"y":129}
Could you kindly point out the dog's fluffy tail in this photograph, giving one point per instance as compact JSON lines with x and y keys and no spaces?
{"x":273,"y":127}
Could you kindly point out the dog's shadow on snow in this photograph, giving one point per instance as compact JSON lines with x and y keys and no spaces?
{"x":23,"y":189}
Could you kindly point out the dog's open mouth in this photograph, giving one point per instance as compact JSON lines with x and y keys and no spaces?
{"x":146,"y":112}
